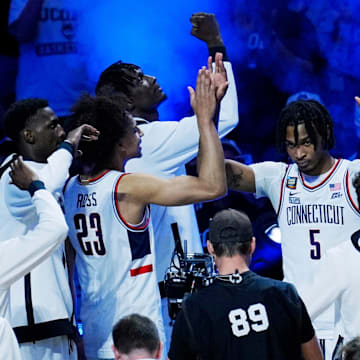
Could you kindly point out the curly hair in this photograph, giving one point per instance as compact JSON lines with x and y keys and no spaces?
{"x":108,"y":116}
{"x":19,"y":113}
{"x":117,"y":79}
{"x":313,"y":115}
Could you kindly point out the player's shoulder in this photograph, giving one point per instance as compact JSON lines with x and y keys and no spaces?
{"x":351,"y":162}
{"x":161,"y":127}
{"x":353,"y":166}
{"x":270,"y":168}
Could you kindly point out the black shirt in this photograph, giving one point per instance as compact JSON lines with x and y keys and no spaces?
{"x":259,"y":318}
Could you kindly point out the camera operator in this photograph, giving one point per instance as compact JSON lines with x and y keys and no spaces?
{"x":241,"y":313}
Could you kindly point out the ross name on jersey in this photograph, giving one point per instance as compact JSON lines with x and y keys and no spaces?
{"x":315,"y":213}
{"x":86,"y":200}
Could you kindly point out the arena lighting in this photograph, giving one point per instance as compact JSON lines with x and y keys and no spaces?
{"x":273,"y":233}
{"x":79,"y":325}
{"x":267,"y":258}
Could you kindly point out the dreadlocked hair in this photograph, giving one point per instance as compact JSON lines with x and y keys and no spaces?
{"x":313,"y":115}
{"x":117,"y":79}
{"x":108,"y":116}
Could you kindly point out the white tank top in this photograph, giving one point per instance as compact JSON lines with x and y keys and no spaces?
{"x":312,"y":218}
{"x":114,"y":260}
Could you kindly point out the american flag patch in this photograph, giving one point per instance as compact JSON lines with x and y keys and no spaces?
{"x":335,"y":187}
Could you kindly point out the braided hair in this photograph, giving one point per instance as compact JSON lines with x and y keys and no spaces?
{"x":313,"y":115}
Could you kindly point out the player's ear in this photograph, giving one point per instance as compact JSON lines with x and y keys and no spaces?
{"x":29,"y":136}
{"x":119,"y":143}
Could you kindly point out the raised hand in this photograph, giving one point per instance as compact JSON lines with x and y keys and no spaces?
{"x":21,"y":175}
{"x":218,"y":76}
{"x":206,"y":28}
{"x":203,"y":100}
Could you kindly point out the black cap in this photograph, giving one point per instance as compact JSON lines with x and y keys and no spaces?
{"x":230,"y":225}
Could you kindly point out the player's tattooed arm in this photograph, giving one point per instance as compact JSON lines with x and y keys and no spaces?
{"x":239,"y":177}
{"x":234,"y":180}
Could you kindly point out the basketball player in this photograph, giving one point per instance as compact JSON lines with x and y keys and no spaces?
{"x":241,"y":315}
{"x":168,"y":145}
{"x":21,"y":254}
{"x":313,"y":196}
{"x":35,"y":245}
{"x":108,"y":215}
{"x":41,"y":304}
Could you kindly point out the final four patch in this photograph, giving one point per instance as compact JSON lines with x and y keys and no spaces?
{"x":291,"y":182}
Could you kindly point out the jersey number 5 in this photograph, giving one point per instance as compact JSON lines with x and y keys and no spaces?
{"x":240,"y":324}
{"x":315,"y":252}
{"x":88,"y":247}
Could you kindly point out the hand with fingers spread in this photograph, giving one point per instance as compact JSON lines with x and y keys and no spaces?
{"x":218,"y":76}
{"x":82,"y":133}
{"x":206,"y":28}
{"x":21,"y":174}
{"x":203,"y":100}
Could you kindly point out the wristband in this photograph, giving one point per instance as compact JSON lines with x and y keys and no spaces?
{"x":67,"y":145}
{"x":34,"y":186}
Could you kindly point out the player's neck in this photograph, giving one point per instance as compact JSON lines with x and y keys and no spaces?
{"x":85,"y":178}
{"x":96,"y":171}
{"x":152,"y":115}
{"x":26,"y":151}
{"x":327,"y":164}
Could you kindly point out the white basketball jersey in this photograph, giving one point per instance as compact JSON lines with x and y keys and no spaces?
{"x":114,"y":260}
{"x":312,"y":219}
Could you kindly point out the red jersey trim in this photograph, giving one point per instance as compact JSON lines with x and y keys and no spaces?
{"x":141,"y":270}
{"x":98,"y":177}
{"x":348,"y":192}
{"x":324,"y":181}
{"x":132,"y":227}
{"x":93,"y":179}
